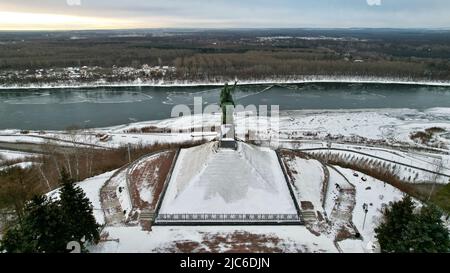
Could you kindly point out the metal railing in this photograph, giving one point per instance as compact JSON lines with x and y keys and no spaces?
{"x":218,"y":217}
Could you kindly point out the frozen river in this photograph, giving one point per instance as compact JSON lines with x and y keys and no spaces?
{"x":98,"y":107}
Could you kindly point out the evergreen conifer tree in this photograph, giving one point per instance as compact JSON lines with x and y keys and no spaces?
{"x":78,"y":212}
{"x":41,"y":230}
{"x":49,"y":225}
{"x":403,"y":230}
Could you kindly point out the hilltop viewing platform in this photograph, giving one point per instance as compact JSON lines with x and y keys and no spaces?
{"x":246,"y":184}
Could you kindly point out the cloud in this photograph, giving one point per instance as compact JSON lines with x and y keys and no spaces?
{"x":374,"y":2}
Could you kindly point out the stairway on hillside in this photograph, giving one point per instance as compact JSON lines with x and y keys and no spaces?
{"x":229,"y":175}
{"x":230,"y":164}
{"x":309,"y":216}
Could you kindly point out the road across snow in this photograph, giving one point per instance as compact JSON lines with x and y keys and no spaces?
{"x":6,"y":155}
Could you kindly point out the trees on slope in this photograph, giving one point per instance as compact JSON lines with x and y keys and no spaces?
{"x":405,"y":230}
{"x":49,"y":225}
{"x":17,"y":187}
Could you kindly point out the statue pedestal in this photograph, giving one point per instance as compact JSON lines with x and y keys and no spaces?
{"x":227,"y":137}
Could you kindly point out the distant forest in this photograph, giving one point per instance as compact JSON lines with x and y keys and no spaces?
{"x":244,"y":53}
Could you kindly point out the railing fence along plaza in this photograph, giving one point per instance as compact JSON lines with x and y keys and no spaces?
{"x":205,"y":217}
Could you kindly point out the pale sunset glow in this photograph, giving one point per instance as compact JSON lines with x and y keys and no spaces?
{"x":120,"y":14}
{"x":44,"y":21}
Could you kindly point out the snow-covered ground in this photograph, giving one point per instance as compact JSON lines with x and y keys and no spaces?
{"x":308,"y":173}
{"x":146,"y":188}
{"x":344,"y":196}
{"x":373,"y":124}
{"x":336,"y":183}
{"x":6,"y":155}
{"x":376,"y":194}
{"x":426,"y":162}
{"x":211,"y":180}
{"x":146,"y":179}
{"x":249,"y":180}
{"x":122,"y":191}
{"x":308,"y":180}
{"x":183,"y":122}
{"x":392,"y":126}
{"x":116,"y":139}
{"x":167,"y":239}
{"x":91,"y":187}
{"x":57,"y":138}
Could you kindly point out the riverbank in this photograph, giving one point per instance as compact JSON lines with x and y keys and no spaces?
{"x":181,"y":83}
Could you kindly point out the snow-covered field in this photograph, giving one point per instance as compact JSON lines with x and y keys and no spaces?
{"x":211,"y":180}
{"x":390,"y":125}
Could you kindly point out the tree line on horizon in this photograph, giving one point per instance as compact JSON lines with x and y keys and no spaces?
{"x":227,"y":56}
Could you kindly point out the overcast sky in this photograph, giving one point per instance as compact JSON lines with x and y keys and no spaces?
{"x":88,"y":14}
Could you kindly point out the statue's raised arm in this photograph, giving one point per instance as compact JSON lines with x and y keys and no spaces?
{"x":234,"y":86}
